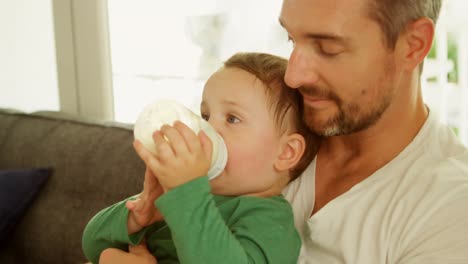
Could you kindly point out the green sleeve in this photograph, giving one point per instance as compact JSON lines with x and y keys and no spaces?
{"x":259,"y":231}
{"x":108,"y":229}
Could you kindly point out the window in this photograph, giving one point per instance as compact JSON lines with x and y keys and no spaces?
{"x":28,"y":78}
{"x":160,"y":50}
{"x":445,"y":77}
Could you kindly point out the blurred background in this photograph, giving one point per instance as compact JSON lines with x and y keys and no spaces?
{"x":107,"y":59}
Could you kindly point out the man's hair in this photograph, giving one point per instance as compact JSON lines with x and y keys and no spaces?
{"x":394,"y":15}
{"x":286,"y":103}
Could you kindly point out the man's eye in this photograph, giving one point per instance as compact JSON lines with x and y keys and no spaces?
{"x":327,"y":51}
{"x":205,"y":116}
{"x":328,"y":54}
{"x":232,"y":119}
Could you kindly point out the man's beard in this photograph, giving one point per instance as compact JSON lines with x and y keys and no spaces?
{"x":351,"y":117}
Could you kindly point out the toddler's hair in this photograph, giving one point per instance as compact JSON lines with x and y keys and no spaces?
{"x":286,"y":103}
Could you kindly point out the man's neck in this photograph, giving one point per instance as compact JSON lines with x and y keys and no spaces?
{"x":344,"y":161}
{"x":380,"y":143}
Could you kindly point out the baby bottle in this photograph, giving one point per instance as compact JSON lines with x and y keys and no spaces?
{"x":161,"y":112}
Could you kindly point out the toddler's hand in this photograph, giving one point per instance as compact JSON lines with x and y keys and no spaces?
{"x":136,"y":254}
{"x":142,"y":210}
{"x":181,"y":158}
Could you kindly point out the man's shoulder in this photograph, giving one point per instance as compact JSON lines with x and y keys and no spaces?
{"x":436,"y":210}
{"x":436,"y":155}
{"x":441,"y":188}
{"x":450,"y":167}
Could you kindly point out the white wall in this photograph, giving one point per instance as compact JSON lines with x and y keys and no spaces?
{"x":28,"y":77}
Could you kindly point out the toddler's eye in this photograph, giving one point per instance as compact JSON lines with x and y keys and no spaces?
{"x":232,"y":119}
{"x":205,"y":116}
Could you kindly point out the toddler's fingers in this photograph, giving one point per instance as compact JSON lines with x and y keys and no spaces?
{"x":141,"y":151}
{"x":175,"y":139}
{"x":164,"y":150}
{"x":146,"y":156}
{"x":132,"y":205}
{"x":206,"y":143}
{"x":189,"y":136}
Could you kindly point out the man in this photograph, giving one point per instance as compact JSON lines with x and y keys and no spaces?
{"x":390,"y":183}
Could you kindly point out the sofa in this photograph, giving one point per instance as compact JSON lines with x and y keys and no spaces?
{"x":93,"y":166}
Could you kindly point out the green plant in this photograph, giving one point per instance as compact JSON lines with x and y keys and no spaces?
{"x":452,"y":50}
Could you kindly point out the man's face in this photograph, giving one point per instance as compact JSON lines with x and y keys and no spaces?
{"x":339,"y":63}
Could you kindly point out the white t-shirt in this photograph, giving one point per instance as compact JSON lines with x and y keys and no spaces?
{"x":413,"y":210}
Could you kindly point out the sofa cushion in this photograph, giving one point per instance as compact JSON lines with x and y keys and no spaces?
{"x":94,"y":166}
{"x":18,"y":188}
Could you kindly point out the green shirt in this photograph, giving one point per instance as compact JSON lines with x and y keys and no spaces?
{"x":203,"y":228}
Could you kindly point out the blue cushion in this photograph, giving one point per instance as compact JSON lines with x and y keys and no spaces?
{"x":18,"y":188}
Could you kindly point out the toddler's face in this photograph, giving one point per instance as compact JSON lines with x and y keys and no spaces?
{"x":235,"y":104}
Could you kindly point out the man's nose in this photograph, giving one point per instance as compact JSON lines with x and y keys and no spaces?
{"x":301,"y":70}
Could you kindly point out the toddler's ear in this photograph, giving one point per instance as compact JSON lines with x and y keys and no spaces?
{"x":291,"y":151}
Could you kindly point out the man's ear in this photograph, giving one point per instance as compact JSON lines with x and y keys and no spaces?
{"x":291,"y":151}
{"x":417,"y":40}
